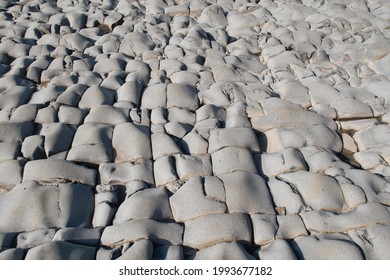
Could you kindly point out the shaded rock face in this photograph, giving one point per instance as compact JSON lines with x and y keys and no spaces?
{"x":206,"y":130}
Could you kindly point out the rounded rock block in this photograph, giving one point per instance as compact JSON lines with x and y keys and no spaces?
{"x":151,"y":203}
{"x":326,"y":247}
{"x":224,"y":251}
{"x":131,"y":142}
{"x":64,"y":205}
{"x":61,"y":250}
{"x":191,"y":202}
{"x":219,"y":228}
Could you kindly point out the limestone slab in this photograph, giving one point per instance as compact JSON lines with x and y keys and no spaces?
{"x":149,"y":203}
{"x":247,"y":193}
{"x":124,"y":172}
{"x":228,"y":137}
{"x":56,"y":170}
{"x":326,"y":248}
{"x":232,"y":159}
{"x":317,"y":190}
{"x":130,"y":231}
{"x":29,"y":239}
{"x":285,"y":161}
{"x":37,"y":206}
{"x":277,"y":250}
{"x":219,"y":228}
{"x":61,"y":250}
{"x":131,"y":142}
{"x":362,"y":216}
{"x":191,"y":166}
{"x":224,"y":251}
{"x":190,"y":202}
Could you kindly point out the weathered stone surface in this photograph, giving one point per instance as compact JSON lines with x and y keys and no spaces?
{"x":171,"y":113}
{"x":362,"y":216}
{"x":231,"y":159}
{"x":224,"y":251}
{"x":182,"y":96}
{"x":26,"y":240}
{"x":190,"y":202}
{"x":319,"y":160}
{"x":131,"y":142}
{"x":247,"y":193}
{"x":373,"y":240}
{"x":163,"y":145}
{"x":282,"y":119}
{"x":12,"y":254}
{"x":264,"y":228}
{"x":106,"y":114}
{"x":146,"y":204}
{"x":95,"y":96}
{"x":130,"y":231}
{"x":168,"y":252}
{"x":65,"y":205}
{"x":191,"y":166}
{"x":277,"y":139}
{"x":81,"y":236}
{"x":154,"y":96}
{"x":15,"y":131}
{"x":277,"y":250}
{"x":71,"y":115}
{"x":317,"y":190}
{"x":290,"y":226}
{"x":292,"y":91}
{"x":56,"y":170}
{"x":227,"y":137}
{"x":61,"y":250}
{"x":105,"y":205}
{"x":326,"y":247}
{"x":219,"y":228}
{"x":285,"y":196}
{"x":92,"y":144}
{"x":285,"y":161}
{"x":164,"y":171}
{"x":10,"y":173}
{"x":124,"y":172}
{"x":373,"y":185}
{"x":58,"y":137}
{"x":139,"y":250}
{"x":194,"y":144}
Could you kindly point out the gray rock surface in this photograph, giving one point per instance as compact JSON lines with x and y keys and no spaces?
{"x":194,"y":129}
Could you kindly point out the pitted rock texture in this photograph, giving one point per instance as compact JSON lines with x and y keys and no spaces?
{"x":206,"y":129}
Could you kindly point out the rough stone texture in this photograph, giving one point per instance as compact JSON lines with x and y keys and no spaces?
{"x":363,"y":215}
{"x":61,"y":250}
{"x":326,"y":247}
{"x":227,"y":137}
{"x":317,"y":191}
{"x":130,"y":231}
{"x":194,"y":129}
{"x":220,"y":228}
{"x":285,"y":161}
{"x":247,"y":193}
{"x":373,"y":241}
{"x":65,"y":205}
{"x":145,"y":204}
{"x":232,"y":159}
{"x":192,"y":201}
{"x":131,"y":142}
{"x":224,"y":251}
{"x":58,"y":171}
{"x":277,"y":250}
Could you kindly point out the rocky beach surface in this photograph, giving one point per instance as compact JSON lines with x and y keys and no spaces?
{"x":206,"y":129}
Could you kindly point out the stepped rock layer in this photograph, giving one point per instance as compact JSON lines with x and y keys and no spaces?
{"x":205,"y":129}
